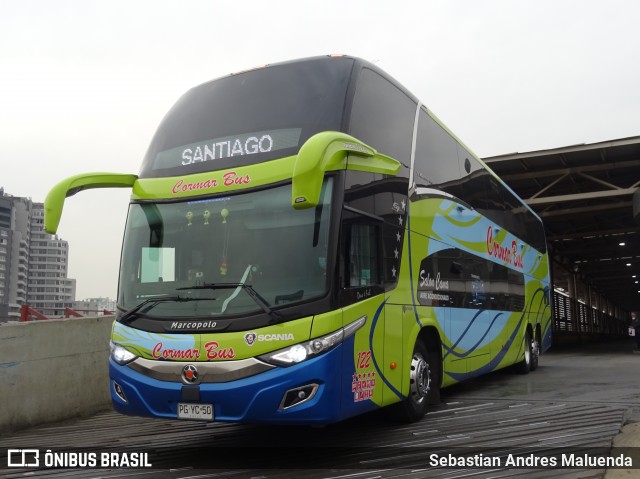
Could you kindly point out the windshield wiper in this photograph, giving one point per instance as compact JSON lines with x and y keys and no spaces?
{"x":132,"y":313}
{"x":253,"y":294}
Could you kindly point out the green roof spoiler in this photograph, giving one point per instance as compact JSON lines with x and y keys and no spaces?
{"x":54,"y":201}
{"x":333,"y":150}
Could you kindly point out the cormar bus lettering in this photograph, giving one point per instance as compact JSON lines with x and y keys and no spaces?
{"x":181,"y":187}
{"x":158,"y":353}
{"x":509,"y":256}
{"x":517,"y":258}
{"x":230,"y":178}
{"x":215,"y":352}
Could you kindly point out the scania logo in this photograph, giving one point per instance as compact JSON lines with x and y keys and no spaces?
{"x":251,"y":338}
{"x":190,"y":374}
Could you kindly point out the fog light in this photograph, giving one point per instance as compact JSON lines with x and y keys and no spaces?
{"x":119,"y":392}
{"x":297,"y":396}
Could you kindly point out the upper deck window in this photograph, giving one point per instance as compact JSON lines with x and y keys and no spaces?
{"x":383,"y":116}
{"x":250,"y":117}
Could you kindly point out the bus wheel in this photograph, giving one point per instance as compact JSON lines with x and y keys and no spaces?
{"x":423,"y":386}
{"x":535,"y":354}
{"x":524,"y":366}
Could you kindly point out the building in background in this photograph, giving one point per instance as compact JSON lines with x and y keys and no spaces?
{"x":33,"y":264}
{"x":95,"y":306}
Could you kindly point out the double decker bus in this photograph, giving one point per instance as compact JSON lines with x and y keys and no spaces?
{"x":306,"y":242}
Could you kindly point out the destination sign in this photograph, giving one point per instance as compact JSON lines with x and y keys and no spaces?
{"x":227,"y":147}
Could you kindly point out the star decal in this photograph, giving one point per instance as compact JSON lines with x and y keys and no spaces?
{"x":396,"y":252}
{"x":400,"y":220}
{"x":393,"y":271}
{"x":404,"y":205}
{"x":398,"y":236}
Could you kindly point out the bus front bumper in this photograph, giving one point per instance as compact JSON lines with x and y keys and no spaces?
{"x":263,"y":398}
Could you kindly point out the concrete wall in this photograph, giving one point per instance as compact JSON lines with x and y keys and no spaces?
{"x":53,"y":370}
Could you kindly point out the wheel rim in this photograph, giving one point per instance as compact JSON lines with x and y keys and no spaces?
{"x":527,"y":351}
{"x":535,"y":349}
{"x":420,"y":378}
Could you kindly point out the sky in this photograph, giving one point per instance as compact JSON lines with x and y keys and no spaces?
{"x":85,"y":83}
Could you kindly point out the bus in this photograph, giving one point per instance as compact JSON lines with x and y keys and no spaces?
{"x":306,"y":242}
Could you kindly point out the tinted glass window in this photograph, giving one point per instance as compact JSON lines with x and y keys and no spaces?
{"x":475,"y":180}
{"x":490,"y":197}
{"x":455,"y":278}
{"x":249,"y":117}
{"x":384,"y":197}
{"x":436,"y":162}
{"x":253,"y":238}
{"x":382,"y":116}
{"x":442,"y":162}
{"x":363,"y":255}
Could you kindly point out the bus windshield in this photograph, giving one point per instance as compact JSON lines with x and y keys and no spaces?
{"x":235,"y":254}
{"x":249,"y":118}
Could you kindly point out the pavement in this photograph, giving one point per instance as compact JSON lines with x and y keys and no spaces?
{"x":606,"y":373}
{"x":628,"y":437}
{"x":593,"y":391}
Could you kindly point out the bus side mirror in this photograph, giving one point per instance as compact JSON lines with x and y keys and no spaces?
{"x":54,"y":201}
{"x":330,"y":151}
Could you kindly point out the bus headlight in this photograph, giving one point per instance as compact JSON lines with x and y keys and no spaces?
{"x":286,"y":357}
{"x":120,"y":354}
{"x":301,"y":352}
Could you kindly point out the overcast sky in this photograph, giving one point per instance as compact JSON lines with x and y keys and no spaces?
{"x":84,"y":84}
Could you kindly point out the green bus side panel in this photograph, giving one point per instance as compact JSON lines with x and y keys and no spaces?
{"x":475,"y":340}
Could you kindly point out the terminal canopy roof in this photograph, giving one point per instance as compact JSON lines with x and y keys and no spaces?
{"x":584,"y":195}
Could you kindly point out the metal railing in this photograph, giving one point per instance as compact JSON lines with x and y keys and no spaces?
{"x":27,"y":313}
{"x":575,"y":320}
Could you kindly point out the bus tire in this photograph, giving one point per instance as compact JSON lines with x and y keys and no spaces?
{"x":524,"y":366}
{"x":535,"y":353}
{"x":424,"y":389}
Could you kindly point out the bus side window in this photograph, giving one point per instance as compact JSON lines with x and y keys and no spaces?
{"x":382,"y":116}
{"x":436,"y":161}
{"x":363,"y":256}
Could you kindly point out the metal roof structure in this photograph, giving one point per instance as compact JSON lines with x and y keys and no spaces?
{"x":585,"y":196}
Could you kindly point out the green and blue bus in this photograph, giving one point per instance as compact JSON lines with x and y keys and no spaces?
{"x":307,"y":242}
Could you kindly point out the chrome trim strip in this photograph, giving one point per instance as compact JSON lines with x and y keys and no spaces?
{"x":208,"y":372}
{"x":351,"y":328}
{"x":414,"y":141}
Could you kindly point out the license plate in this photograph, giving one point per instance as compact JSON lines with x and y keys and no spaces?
{"x":201,"y":412}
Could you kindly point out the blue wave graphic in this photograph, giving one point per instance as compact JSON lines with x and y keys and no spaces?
{"x":493,"y":363}
{"x":451,"y":350}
